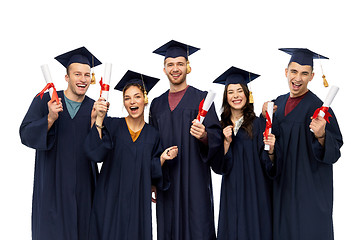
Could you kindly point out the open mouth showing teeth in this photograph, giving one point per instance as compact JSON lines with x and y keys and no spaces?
{"x":134,"y":108}
{"x":81,"y":85}
{"x":296,"y":85}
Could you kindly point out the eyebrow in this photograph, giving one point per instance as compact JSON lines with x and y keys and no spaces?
{"x":126,"y":95}
{"x":231,"y":90}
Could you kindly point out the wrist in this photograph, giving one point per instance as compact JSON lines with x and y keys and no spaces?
{"x":99,"y":125}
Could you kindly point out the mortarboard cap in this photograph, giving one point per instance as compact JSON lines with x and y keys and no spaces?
{"x":79,"y":55}
{"x":302,"y":56}
{"x":175,"y":49}
{"x":235,"y":75}
{"x":134,"y":77}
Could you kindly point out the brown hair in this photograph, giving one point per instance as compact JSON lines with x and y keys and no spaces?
{"x":248,"y":112}
{"x":127,"y":86}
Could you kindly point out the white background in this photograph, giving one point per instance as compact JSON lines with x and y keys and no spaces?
{"x":229,"y":33}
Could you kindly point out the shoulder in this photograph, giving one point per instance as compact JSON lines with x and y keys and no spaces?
{"x":88,"y":100}
{"x":196,"y":92}
{"x":159,"y":101}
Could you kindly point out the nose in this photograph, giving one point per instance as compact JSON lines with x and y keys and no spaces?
{"x":298,"y":77}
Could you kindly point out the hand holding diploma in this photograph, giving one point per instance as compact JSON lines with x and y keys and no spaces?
{"x":269,"y":116}
{"x":317,"y":125}
{"x":205,"y":106}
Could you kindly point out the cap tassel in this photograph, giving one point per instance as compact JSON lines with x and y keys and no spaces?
{"x":93,"y":80}
{"x":146,"y":100}
{"x":326,"y":84}
{"x":251,"y":98}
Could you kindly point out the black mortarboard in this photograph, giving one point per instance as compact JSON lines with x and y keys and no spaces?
{"x":175,"y":49}
{"x":79,"y":55}
{"x":134,"y":77}
{"x":235,"y":75}
{"x":302,"y":56}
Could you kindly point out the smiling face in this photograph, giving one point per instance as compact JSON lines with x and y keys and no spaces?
{"x":78,"y":78}
{"x":298,"y":78}
{"x":134,"y":102}
{"x":175,"y":70}
{"x":236,"y":97}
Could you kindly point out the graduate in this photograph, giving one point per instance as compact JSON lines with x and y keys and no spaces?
{"x":185,"y":210}
{"x":64,"y":178}
{"x":303,"y":187}
{"x":132,"y":157}
{"x":245,"y":202}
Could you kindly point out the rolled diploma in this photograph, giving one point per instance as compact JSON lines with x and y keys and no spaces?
{"x":47,"y":76}
{"x":106,"y":80}
{"x":270,"y":110}
{"x":207,"y":103}
{"x":328,"y":100}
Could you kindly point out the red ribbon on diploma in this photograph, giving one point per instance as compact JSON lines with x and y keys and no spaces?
{"x":54,"y":96}
{"x":325,"y":110}
{"x":268,"y":125}
{"x":104,"y":87}
{"x":202,"y":112}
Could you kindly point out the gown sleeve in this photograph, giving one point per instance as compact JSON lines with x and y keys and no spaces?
{"x":224,"y":165}
{"x":159,"y":177}
{"x":97,"y":149}
{"x":213,"y":151}
{"x":330,"y":153}
{"x":34,"y":127}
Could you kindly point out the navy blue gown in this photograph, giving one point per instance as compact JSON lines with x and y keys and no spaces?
{"x":303,"y":188}
{"x":185,"y":210}
{"x":122,"y":201}
{"x":64,"y":178}
{"x":245,"y":202}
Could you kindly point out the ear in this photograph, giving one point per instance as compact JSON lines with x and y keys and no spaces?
{"x":67,"y":78}
{"x":312,"y":76}
{"x":165,"y":71}
{"x":286,"y":71}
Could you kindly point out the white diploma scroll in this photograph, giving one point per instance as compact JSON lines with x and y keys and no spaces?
{"x":270,"y":110}
{"x":329,"y":98}
{"x":207,"y":104}
{"x":106,"y":81}
{"x":46,"y":72}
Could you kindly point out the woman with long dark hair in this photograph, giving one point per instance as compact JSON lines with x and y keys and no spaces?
{"x":245,"y":203}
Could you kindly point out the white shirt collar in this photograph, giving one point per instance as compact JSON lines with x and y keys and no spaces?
{"x":238,"y":124}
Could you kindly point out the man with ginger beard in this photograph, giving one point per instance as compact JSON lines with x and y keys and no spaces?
{"x":64,"y":178}
{"x":185,"y":210}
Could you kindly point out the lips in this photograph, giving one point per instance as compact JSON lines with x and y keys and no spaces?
{"x":79,"y":85}
{"x":134,"y":109}
{"x":176,"y":76}
{"x":237,"y":101}
{"x":296,"y":86}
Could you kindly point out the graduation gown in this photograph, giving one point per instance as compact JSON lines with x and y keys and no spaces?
{"x":64,"y":178}
{"x":245,"y":202}
{"x":122,"y":201}
{"x":185,"y":210}
{"x":303,"y":189}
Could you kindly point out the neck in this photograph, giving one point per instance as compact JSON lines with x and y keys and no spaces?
{"x":135,"y":124}
{"x":236,"y":115}
{"x":73,"y":97}
{"x":295,"y":96}
{"x":178,"y":87}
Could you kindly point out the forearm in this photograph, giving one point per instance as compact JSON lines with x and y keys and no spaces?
{"x":99,"y":125}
